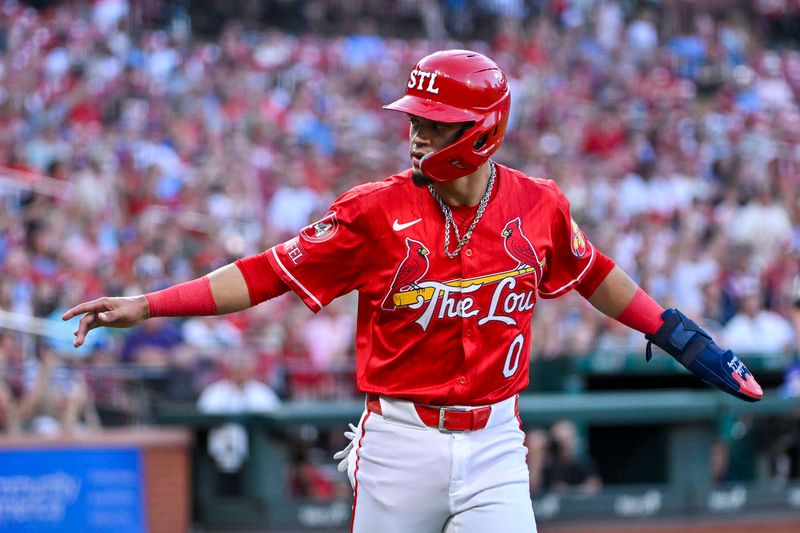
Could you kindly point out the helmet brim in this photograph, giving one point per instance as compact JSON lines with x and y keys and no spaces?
{"x":432,"y":110}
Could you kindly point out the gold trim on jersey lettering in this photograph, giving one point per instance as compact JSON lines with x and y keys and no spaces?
{"x":294,"y":279}
{"x":417,"y":296}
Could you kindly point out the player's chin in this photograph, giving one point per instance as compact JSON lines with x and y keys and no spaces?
{"x":419,"y":178}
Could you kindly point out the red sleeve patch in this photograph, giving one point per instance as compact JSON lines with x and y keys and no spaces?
{"x":321,"y":230}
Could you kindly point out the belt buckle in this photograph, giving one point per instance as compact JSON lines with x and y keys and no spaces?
{"x":442,"y":412}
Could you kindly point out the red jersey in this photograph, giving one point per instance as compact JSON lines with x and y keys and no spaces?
{"x":432,"y":329}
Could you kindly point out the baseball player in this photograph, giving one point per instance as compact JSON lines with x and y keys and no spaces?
{"x":449,"y":258}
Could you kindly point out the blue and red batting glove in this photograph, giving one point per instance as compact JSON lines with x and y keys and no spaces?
{"x":696,"y":350}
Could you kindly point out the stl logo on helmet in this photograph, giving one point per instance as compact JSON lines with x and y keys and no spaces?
{"x":417,"y":79}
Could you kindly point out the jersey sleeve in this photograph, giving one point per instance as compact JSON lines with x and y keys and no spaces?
{"x":326,"y":259}
{"x":572,"y":255}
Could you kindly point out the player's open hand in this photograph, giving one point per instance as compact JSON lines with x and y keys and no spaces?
{"x":118,"y":312}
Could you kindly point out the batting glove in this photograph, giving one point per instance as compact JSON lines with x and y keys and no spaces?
{"x":695,"y":349}
{"x":343,"y":454}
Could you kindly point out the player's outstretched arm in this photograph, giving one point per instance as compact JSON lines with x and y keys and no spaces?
{"x":222,"y":291}
{"x":619,"y":297}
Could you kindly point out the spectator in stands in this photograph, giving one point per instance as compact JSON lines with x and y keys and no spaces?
{"x":569,"y":470}
{"x":57,"y":399}
{"x":308,"y":480}
{"x":755,"y":330}
{"x":238,"y":391}
{"x":538,"y":443}
{"x":9,"y":420}
{"x":642,"y":34}
{"x":711,"y":317}
{"x":115,"y":390}
{"x":720,"y":461}
{"x":151,"y":345}
{"x":790,"y":388}
{"x":167,"y":148}
{"x":185,"y":376}
{"x":751,"y":221}
{"x":796,"y":307}
{"x":210,"y":336}
{"x":9,"y":416}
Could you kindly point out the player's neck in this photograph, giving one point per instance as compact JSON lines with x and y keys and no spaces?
{"x":466,"y":191}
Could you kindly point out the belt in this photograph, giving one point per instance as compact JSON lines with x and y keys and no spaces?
{"x":443,"y":418}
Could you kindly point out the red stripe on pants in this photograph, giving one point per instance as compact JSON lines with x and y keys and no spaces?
{"x":355,"y":472}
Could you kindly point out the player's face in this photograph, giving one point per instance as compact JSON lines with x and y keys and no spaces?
{"x":426,"y":136}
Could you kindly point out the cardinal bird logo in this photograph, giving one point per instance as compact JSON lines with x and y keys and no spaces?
{"x":411,"y":270}
{"x":520,"y":248}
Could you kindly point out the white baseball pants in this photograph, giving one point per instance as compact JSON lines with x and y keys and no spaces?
{"x":411,"y":478}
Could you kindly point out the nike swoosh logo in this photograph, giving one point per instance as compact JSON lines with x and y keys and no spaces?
{"x":400,"y":227}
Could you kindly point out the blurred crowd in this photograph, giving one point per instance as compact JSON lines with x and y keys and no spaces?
{"x":135,"y":157}
{"x":558,"y":462}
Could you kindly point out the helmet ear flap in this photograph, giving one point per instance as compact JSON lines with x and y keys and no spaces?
{"x":471,"y":150}
{"x":493,"y":130}
{"x":455,"y":86}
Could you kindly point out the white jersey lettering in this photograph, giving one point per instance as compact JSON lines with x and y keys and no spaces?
{"x":448,"y":306}
{"x":293,"y":251}
{"x":505,"y":303}
{"x":514,"y":302}
{"x":518,"y":302}
{"x":512,"y":357}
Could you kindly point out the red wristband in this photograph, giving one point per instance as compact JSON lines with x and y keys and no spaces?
{"x":193,"y":298}
{"x":642,"y":314}
{"x":263,"y":283}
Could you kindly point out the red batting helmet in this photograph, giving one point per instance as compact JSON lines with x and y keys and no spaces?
{"x":458,"y":86}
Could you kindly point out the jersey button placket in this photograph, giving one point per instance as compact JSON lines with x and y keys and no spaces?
{"x":467,"y":325}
